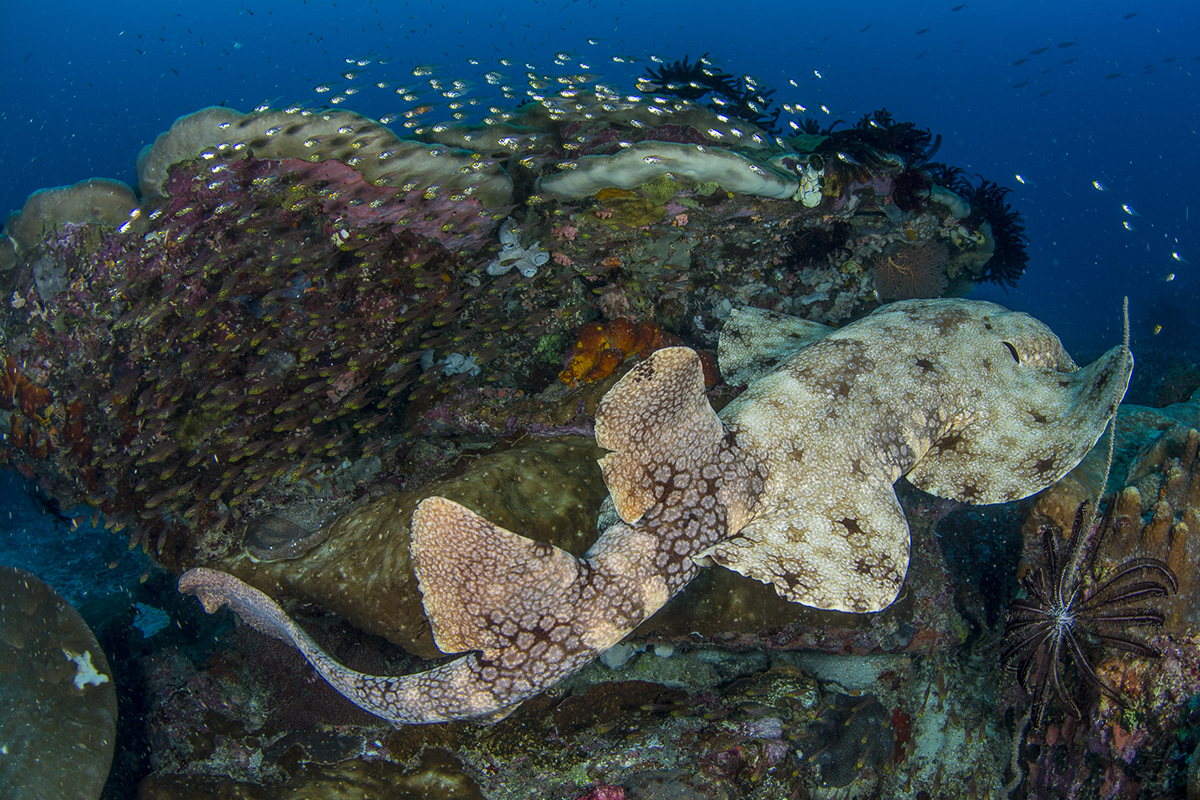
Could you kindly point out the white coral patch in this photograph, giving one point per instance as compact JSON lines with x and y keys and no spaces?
{"x":85,"y":672}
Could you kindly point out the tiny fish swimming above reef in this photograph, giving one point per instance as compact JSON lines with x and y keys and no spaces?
{"x":792,"y":484}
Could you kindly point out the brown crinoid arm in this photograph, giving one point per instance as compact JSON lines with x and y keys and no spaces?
{"x":1089,"y":673}
{"x":1021,"y":648}
{"x":1123,"y":585}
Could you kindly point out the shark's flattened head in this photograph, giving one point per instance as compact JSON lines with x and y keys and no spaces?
{"x":970,"y":400}
{"x":1029,"y":414}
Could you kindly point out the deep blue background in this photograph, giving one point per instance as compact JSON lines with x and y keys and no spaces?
{"x":86,"y":85}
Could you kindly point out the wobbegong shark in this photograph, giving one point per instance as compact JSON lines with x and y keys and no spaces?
{"x":791,"y":484}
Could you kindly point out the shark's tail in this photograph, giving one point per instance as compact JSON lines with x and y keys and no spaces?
{"x":485,"y":589}
{"x":400,"y":700}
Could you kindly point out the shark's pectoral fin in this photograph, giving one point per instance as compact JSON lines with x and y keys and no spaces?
{"x":658,"y":423}
{"x":482,"y":584}
{"x":846,"y":553}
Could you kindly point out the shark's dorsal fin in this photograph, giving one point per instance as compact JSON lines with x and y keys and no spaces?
{"x":755,"y":341}
{"x":656,"y":419}
{"x":479,"y":580}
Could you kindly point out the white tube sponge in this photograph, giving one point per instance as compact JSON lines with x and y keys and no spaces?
{"x":645,"y":161}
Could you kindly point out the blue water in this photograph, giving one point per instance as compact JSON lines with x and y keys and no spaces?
{"x":86,"y":85}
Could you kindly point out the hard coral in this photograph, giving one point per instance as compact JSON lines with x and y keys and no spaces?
{"x":60,"y":705}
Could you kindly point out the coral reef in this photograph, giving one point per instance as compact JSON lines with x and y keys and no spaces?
{"x":1061,"y":612}
{"x":297,"y":314}
{"x":1124,"y":747}
{"x":689,"y":485}
{"x":176,"y":348}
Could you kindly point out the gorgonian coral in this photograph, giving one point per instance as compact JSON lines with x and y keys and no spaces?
{"x":912,"y":271}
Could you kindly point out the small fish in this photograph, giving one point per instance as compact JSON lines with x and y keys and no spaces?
{"x":1070,"y":60}
{"x":816,"y":73}
{"x":1043,"y":94}
{"x":1039,"y":51}
{"x":1127,"y":225}
{"x":959,"y":7}
{"x":1179,"y":258}
{"x":864,"y":30}
{"x":1132,"y":15}
{"x":1113,"y":76}
{"x":1170,"y":276}
{"x":1157,"y":329}
{"x":1128,"y":209}
{"x":1020,"y":178}
{"x":1020,"y":85}
{"x":1065,"y":45}
{"x":1099,"y":187}
{"x":923,"y":30}
{"x":849,"y":159}
{"x":1019,"y":62}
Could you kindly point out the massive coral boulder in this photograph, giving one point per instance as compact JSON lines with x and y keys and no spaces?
{"x":58,"y":727}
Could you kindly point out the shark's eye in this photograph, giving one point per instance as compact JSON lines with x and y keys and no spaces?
{"x":1012,"y":351}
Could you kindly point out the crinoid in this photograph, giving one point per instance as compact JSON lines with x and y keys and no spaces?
{"x":744,"y":98}
{"x":1065,"y":611}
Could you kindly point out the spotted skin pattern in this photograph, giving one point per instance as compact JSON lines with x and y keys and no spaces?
{"x":532,"y":614}
{"x":969,"y":400}
{"x":792,"y":485}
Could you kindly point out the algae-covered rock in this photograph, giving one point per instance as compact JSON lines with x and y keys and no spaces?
{"x":437,"y":776}
{"x":58,"y":725}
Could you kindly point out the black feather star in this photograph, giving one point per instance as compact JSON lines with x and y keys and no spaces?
{"x":1065,"y":610}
